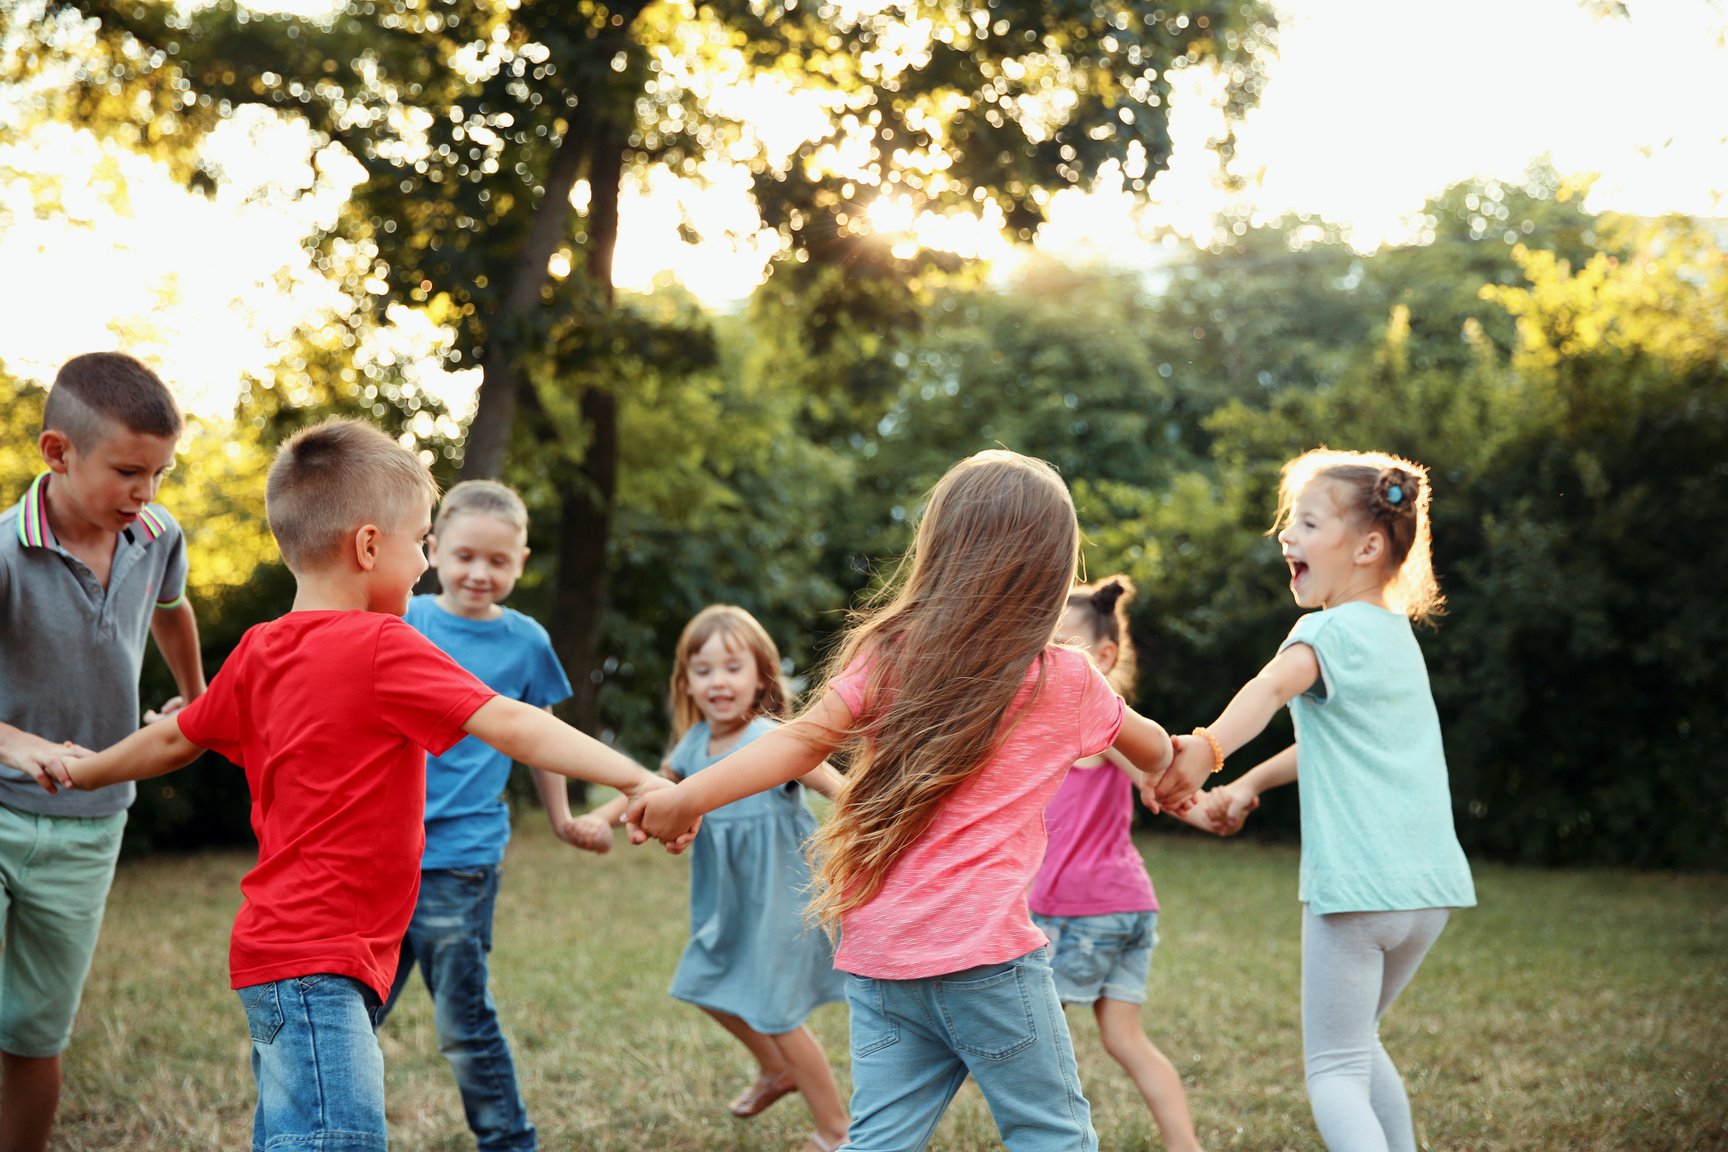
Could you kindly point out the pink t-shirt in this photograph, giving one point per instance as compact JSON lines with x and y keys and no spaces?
{"x":1091,"y":867}
{"x":956,"y":898}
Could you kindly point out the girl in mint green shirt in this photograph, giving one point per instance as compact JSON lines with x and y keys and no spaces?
{"x":1381,"y":865}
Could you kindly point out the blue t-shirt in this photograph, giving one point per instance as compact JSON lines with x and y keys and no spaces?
{"x":467,"y":821}
{"x":1377,"y":833}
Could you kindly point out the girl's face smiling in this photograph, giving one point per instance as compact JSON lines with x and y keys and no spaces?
{"x":1332,"y":561}
{"x":723,"y":681}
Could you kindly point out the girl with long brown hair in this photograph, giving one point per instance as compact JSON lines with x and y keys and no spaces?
{"x":960,"y":717}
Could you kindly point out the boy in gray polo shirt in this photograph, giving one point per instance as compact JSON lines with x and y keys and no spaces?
{"x":89,"y":568}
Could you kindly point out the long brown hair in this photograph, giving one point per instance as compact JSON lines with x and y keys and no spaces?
{"x":948,"y":641}
{"x":738,"y":631}
{"x":1381,"y":491}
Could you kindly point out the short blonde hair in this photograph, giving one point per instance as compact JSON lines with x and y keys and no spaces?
{"x":483,"y":498}
{"x":331,"y":478}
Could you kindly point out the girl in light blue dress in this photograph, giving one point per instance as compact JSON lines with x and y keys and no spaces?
{"x":752,"y":962}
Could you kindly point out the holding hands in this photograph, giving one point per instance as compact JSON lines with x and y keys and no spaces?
{"x":661,"y":815}
{"x":42,"y":760}
{"x":591,"y":833}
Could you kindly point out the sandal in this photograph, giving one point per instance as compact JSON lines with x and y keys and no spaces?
{"x":761,"y":1094}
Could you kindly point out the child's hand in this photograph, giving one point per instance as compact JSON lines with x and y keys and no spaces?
{"x":590,"y":833}
{"x":1228,"y":805}
{"x":1189,"y":770}
{"x":660,"y":814}
{"x":43,"y":760}
{"x":170,"y":706}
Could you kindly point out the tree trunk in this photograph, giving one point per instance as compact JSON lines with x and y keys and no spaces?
{"x":488,"y":436}
{"x":585,"y":520}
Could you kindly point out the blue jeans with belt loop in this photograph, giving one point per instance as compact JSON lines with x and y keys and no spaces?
{"x":450,"y":938}
{"x":914,"y":1042}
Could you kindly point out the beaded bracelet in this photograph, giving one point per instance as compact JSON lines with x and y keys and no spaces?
{"x":1217,"y":749}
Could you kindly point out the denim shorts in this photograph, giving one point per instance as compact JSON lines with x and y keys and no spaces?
{"x":54,"y":878}
{"x":316,"y":1060}
{"x":1101,"y":957}
{"x":914,"y":1042}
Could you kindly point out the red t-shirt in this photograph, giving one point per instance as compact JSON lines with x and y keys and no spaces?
{"x":331,"y":714}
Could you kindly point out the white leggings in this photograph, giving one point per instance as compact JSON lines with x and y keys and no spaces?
{"x":1354,"y":964}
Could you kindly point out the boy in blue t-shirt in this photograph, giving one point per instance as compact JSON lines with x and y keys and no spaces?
{"x":478,"y":548}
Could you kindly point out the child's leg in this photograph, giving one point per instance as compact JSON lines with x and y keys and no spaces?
{"x":1153,"y":1074}
{"x":1353,"y":967}
{"x":449,"y":937}
{"x":809,"y":1067}
{"x":904,"y":1072}
{"x":767,"y":1053}
{"x":316,"y":1060}
{"x":1006,"y":1023}
{"x":55,"y":872}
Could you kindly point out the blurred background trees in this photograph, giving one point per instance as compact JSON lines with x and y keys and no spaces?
{"x":1563,"y":374}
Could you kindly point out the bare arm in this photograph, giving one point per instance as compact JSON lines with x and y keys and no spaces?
{"x":541,"y":740}
{"x":175,"y":631}
{"x":154,"y":750}
{"x":823,"y":780}
{"x":1145,"y":746}
{"x":790,"y":752}
{"x":1290,"y":673}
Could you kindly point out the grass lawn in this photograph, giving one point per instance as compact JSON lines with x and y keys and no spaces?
{"x":1570,"y":1011}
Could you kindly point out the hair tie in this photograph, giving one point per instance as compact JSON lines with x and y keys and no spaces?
{"x":1395,"y":494}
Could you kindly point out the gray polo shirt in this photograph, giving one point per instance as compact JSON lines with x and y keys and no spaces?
{"x":70,"y":650}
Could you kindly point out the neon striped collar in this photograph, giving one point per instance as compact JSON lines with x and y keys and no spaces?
{"x":33,"y":530}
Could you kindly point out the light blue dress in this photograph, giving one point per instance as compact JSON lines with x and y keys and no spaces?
{"x":751,"y":954}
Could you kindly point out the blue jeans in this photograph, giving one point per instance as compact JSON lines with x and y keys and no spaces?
{"x":449,"y":938}
{"x":316,"y":1060}
{"x":915,"y":1041}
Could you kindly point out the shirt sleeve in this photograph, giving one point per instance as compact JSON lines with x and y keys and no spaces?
{"x":171,"y":593}
{"x":850,"y":685}
{"x":213,"y":721}
{"x":1311,"y":630}
{"x":1101,"y":712}
{"x":422,"y":692}
{"x":547,"y":684}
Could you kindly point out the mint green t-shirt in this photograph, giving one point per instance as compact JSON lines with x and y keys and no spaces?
{"x":1377,"y":833}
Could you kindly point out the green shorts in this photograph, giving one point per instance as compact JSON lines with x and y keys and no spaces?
{"x":54,"y":878}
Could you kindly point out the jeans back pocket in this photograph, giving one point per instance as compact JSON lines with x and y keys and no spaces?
{"x":990,"y":1016}
{"x":873,"y":1029}
{"x":263,"y":1004}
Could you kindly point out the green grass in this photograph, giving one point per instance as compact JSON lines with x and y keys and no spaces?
{"x":1573,"y":1011}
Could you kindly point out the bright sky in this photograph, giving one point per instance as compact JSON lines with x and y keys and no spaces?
{"x":1371,"y":109}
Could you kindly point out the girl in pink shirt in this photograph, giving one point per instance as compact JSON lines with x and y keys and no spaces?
{"x":1092,"y":897}
{"x":959,"y":717}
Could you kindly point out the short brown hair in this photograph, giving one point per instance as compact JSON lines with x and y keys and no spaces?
{"x":331,"y":478}
{"x":97,"y":390}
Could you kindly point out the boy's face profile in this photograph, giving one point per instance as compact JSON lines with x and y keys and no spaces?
{"x":398,"y":560}
{"x":479,"y":558}
{"x":104,"y":484}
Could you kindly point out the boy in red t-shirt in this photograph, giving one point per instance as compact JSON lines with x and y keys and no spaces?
{"x":331,"y":711}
